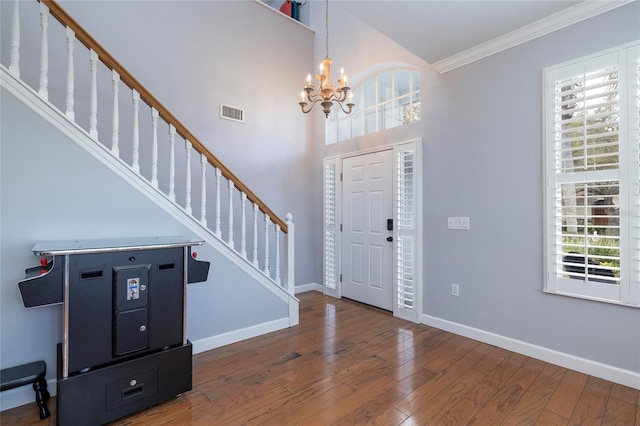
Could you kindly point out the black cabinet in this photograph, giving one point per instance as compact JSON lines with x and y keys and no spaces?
{"x":124,"y":321}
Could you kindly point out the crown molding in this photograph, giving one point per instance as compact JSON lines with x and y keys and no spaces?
{"x":551,"y":23}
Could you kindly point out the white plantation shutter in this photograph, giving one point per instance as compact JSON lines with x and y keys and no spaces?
{"x":586,"y":121}
{"x":634,"y":175}
{"x":330,"y":177}
{"x":592,"y":167}
{"x":406,"y":268}
{"x":406,"y":249}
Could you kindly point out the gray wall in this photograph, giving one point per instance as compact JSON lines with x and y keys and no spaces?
{"x":484,"y":160}
{"x":482,"y":138}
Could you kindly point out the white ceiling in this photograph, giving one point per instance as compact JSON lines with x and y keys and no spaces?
{"x":435,"y":30}
{"x":440,"y":30}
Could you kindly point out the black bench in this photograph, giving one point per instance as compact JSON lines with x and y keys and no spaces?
{"x":25,"y":374}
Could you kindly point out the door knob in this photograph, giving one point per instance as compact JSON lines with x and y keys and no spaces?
{"x":389,"y":238}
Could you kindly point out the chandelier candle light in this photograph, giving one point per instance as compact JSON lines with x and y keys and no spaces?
{"x":327,"y":93}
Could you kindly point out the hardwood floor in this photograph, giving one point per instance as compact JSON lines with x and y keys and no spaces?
{"x":348,"y":363}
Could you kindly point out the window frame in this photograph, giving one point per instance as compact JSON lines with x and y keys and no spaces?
{"x":627,"y":60}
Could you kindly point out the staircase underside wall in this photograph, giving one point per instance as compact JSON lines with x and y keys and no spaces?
{"x":51,"y":189}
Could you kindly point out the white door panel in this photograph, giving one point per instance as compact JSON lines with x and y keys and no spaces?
{"x":367,"y":204}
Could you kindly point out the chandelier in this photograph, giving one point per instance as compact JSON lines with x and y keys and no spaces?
{"x":326,"y":93}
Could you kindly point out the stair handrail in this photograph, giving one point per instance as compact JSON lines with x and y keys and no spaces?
{"x":125,"y":76}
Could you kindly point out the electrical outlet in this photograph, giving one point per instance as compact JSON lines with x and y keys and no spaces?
{"x":455,"y":290}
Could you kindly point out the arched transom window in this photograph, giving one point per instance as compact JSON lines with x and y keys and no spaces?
{"x":385,"y":100}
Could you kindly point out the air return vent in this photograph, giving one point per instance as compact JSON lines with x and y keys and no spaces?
{"x":231,"y":113}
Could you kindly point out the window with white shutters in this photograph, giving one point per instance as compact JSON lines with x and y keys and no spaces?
{"x":405,"y":217}
{"x":407,"y":265}
{"x":330,"y":226}
{"x":593,"y":178}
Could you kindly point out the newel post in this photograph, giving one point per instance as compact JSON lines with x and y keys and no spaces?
{"x":289,"y":253}
{"x":289,"y":250}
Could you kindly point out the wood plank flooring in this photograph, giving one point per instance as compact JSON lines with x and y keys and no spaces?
{"x":348,"y":363}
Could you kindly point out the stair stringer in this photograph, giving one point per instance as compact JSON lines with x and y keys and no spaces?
{"x":78,"y":135}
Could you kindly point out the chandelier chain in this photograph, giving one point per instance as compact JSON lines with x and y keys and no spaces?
{"x":326,"y":27}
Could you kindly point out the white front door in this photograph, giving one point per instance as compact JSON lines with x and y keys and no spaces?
{"x":367,"y":246}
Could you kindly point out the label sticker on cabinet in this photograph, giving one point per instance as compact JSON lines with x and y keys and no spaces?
{"x":133,"y":288}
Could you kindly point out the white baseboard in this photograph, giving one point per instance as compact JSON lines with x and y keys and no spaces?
{"x":308,"y":287}
{"x":583,"y":365}
{"x":213,"y":342}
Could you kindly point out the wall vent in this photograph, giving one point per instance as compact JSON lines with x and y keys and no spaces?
{"x":231,"y":113}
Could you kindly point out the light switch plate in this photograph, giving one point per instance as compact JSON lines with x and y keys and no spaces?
{"x":458,"y":223}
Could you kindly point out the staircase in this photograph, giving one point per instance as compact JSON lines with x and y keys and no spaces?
{"x":162,"y":159}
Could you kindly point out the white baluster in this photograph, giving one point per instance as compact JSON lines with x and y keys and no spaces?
{"x":14,"y":65}
{"x":115,"y":121}
{"x":230,"y":241}
{"x":255,"y":235}
{"x":135,"y":161}
{"x":243,"y":236}
{"x":187,"y":197}
{"x":93,"y":114}
{"x":172,"y":162}
{"x":154,"y":148}
{"x":289,"y":253}
{"x":218,"y":232}
{"x":71,"y":36}
{"x":277,"y":254}
{"x":267,"y":270}
{"x":203,"y":189}
{"x":43,"y":91}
